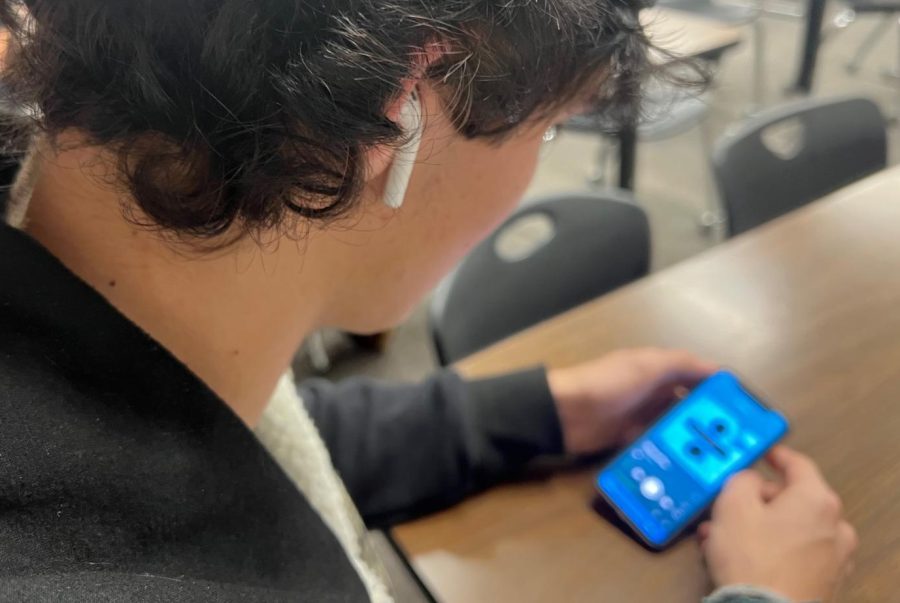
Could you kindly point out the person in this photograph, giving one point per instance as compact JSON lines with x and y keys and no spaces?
{"x":206,"y":182}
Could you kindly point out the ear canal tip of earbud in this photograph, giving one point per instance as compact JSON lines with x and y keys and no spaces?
{"x":393,"y":201}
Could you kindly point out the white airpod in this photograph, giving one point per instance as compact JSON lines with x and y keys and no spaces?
{"x":412,"y":123}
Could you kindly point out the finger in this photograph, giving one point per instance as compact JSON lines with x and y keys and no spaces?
{"x":668,"y":365}
{"x":743,"y":490}
{"x":748,"y":483}
{"x":656,"y":403}
{"x":845,"y":573}
{"x":847,"y":542}
{"x":671,"y":375}
{"x":794,"y":466}
{"x":632,"y":433}
{"x":680,"y":367}
{"x":771,"y":490}
{"x":703,"y":531}
{"x":847,"y":538}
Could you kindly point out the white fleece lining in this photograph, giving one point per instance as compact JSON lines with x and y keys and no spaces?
{"x":288,"y":433}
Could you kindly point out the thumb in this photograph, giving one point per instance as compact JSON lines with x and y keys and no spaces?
{"x":794,"y":466}
{"x":745,"y":490}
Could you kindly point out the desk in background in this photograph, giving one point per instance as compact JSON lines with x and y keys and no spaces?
{"x":807,"y":308}
{"x":684,"y":35}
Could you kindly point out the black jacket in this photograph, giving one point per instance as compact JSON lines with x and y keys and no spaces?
{"x":123,"y":477}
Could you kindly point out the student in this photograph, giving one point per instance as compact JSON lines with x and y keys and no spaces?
{"x":210,"y":180}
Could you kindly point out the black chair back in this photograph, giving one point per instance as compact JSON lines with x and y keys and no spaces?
{"x":789,"y":156}
{"x":578,"y":248}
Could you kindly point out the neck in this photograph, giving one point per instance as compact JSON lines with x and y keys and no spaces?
{"x":231,"y":317}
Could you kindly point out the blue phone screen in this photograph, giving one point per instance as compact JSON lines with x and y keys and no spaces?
{"x":672,"y":473}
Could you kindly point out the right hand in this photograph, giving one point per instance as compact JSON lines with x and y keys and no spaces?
{"x":790,"y":538}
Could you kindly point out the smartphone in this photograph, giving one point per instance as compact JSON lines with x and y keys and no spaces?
{"x":670,"y":476}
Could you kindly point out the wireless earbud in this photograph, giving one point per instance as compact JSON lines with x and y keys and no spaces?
{"x":400,"y":173}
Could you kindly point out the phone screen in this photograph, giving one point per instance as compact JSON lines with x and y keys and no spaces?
{"x":666,"y":479}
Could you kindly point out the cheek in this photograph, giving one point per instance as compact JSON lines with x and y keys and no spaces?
{"x":485,"y":190}
{"x":457,"y":199}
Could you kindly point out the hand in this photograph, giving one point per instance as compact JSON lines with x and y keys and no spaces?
{"x":610,"y":401}
{"x":791,"y":538}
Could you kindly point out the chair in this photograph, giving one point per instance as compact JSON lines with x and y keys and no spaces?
{"x":550,"y":256}
{"x":667,"y":111}
{"x":789,"y":156}
{"x":737,"y":15}
{"x":888,"y":9}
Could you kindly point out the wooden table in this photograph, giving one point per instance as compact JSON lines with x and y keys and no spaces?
{"x":807,"y":308}
{"x":683,"y":35}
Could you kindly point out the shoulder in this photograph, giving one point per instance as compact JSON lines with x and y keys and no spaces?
{"x":121,"y":486}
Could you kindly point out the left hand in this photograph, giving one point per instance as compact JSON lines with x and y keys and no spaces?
{"x":610,"y":401}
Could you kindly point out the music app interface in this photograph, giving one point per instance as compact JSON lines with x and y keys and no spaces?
{"x":671,"y":474}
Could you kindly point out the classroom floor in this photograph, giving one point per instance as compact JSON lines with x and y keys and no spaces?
{"x":673,"y":181}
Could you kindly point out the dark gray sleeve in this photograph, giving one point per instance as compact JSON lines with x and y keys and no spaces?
{"x":404,"y":450}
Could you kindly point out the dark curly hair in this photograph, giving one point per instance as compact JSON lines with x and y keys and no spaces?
{"x":232,"y":113}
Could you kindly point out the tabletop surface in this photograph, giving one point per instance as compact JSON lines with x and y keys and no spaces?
{"x":807,"y":310}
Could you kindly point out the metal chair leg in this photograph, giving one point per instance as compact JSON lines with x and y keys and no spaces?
{"x":712,"y":219}
{"x":897,"y":93}
{"x":318,"y":353}
{"x":866,"y":47}
{"x":598,"y":178}
{"x":759,"y":64}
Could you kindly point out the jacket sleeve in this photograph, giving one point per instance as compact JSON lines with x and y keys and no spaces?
{"x":404,"y":450}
